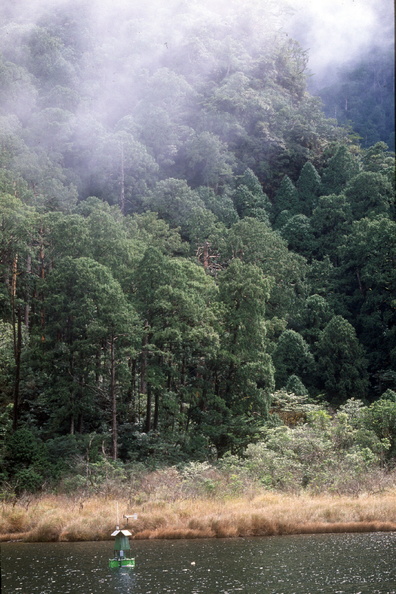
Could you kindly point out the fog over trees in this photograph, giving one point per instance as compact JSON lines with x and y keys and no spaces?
{"x":351,"y":62}
{"x":188,"y":235}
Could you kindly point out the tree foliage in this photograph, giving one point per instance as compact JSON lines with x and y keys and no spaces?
{"x":181,"y":231}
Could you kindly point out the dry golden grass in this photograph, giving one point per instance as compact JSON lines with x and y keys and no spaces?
{"x":51,"y":518}
{"x":13,"y":536}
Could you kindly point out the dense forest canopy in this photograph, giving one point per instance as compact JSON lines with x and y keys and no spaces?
{"x":184,"y":233}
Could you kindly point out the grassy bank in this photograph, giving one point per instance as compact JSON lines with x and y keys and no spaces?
{"x":60,"y":518}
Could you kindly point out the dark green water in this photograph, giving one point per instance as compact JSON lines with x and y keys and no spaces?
{"x":332,"y":563}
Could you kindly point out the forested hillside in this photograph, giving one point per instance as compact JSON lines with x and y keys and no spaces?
{"x":185,"y":239}
{"x":351,"y":63}
{"x":363,"y":96}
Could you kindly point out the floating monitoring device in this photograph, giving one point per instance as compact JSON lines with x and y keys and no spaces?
{"x":122,"y":547}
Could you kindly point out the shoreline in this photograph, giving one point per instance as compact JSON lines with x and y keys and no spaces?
{"x":52,"y":518}
{"x":337,"y":528}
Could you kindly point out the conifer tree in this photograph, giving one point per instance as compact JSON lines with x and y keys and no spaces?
{"x":295,"y":386}
{"x":369,"y":194}
{"x":341,"y":362}
{"x":315,"y":315}
{"x":86,"y":312}
{"x":330,"y":221}
{"x":243,"y":371}
{"x":292,"y":356}
{"x":299,"y":235}
{"x":286,"y":198}
{"x":308,"y":188}
{"x":249,"y":198}
{"x":340,"y":169}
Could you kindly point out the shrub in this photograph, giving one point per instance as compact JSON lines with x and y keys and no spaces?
{"x":28,"y":480}
{"x":380,"y":417}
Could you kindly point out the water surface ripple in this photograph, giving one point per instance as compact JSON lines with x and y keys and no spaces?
{"x":307,"y":564}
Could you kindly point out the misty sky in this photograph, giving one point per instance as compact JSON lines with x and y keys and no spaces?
{"x":336,"y":32}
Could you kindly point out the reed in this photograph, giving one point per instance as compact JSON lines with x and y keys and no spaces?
{"x":13,"y":519}
{"x":51,"y":518}
{"x":14,"y":537}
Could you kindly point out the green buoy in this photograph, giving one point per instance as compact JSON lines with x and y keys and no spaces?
{"x":122,"y":549}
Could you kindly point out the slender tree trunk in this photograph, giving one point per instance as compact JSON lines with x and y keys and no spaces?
{"x":42,"y":276}
{"x":359,"y":281}
{"x":18,"y":350}
{"x":97,"y":367}
{"x":72,"y":427}
{"x":147,"y":425}
{"x":231,"y":367}
{"x":216,"y":383}
{"x":156,"y":409}
{"x":17,"y":341}
{"x":27,"y":306}
{"x":131,"y":396}
{"x":143,"y":366}
{"x":13,"y":305}
{"x":229,"y":382}
{"x":72,"y":393}
{"x":113,"y":399}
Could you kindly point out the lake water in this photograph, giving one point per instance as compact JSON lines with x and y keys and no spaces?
{"x":308,"y":564}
